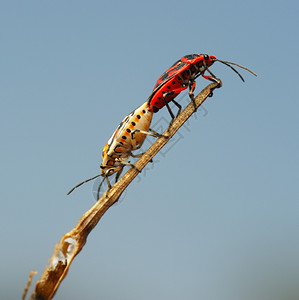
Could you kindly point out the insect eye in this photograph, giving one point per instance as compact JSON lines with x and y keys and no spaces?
{"x":206,"y":57}
{"x":110,"y":172}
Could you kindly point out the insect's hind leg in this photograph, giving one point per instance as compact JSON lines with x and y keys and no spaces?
{"x":174,"y":92}
{"x":168,"y":107}
{"x":178,"y":106}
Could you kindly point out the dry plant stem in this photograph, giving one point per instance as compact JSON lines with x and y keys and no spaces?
{"x":32,"y":273}
{"x":73,"y":241}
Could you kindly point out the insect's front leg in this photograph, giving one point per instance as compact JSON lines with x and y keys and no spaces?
{"x":100,"y":185}
{"x":131,"y":165}
{"x":151,"y":132}
{"x":213,"y":79}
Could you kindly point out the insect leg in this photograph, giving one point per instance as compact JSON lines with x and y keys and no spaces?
{"x":177,"y":91}
{"x":152,"y":133}
{"x":118,"y":174}
{"x":157,"y":134}
{"x":131,"y":165}
{"x":137,"y":155}
{"x":108,"y":182}
{"x":173,"y":92}
{"x":167,"y":105}
{"x":192,"y":86}
{"x":211,"y":78}
{"x":179,"y":107}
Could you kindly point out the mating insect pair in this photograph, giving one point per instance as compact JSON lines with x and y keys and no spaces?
{"x":132,"y":132}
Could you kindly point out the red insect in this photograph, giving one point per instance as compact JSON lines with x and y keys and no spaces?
{"x":180,"y":76}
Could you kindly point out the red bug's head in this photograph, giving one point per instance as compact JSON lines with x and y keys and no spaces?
{"x":199,"y":63}
{"x":208,"y":59}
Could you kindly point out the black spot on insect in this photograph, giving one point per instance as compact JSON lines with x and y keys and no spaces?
{"x":155,"y":109}
{"x":128,"y":130}
{"x":138,"y":117}
{"x":190,"y":56}
{"x":168,"y":87}
{"x":133,"y":123}
{"x":124,"y":137}
{"x":173,"y":82}
{"x":159,"y":98}
{"x":180,"y":66}
{"x":144,"y":111}
{"x":164,"y":76}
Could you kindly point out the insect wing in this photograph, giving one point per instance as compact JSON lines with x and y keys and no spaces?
{"x":190,"y":58}
{"x":117,"y":133}
{"x":121,"y":139}
{"x":177,"y":68}
{"x":122,"y":126}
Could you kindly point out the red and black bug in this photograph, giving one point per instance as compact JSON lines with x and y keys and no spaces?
{"x":180,"y":76}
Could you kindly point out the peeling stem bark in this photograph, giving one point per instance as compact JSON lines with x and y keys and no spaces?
{"x":73,"y":241}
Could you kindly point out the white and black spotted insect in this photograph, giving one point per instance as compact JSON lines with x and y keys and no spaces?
{"x":128,"y":136}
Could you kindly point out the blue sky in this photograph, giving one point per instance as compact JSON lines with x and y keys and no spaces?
{"x":216,"y":215}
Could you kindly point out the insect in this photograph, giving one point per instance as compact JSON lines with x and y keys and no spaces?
{"x":180,"y":76}
{"x":128,"y":136}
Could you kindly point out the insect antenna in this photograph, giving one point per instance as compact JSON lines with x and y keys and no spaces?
{"x":99,"y":188}
{"x":89,"y":179}
{"x":228,"y":63}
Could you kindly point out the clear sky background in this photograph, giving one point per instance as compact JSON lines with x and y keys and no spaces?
{"x":217,"y":215}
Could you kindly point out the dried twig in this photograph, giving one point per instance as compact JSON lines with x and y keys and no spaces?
{"x":32,"y":273}
{"x":73,"y":241}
